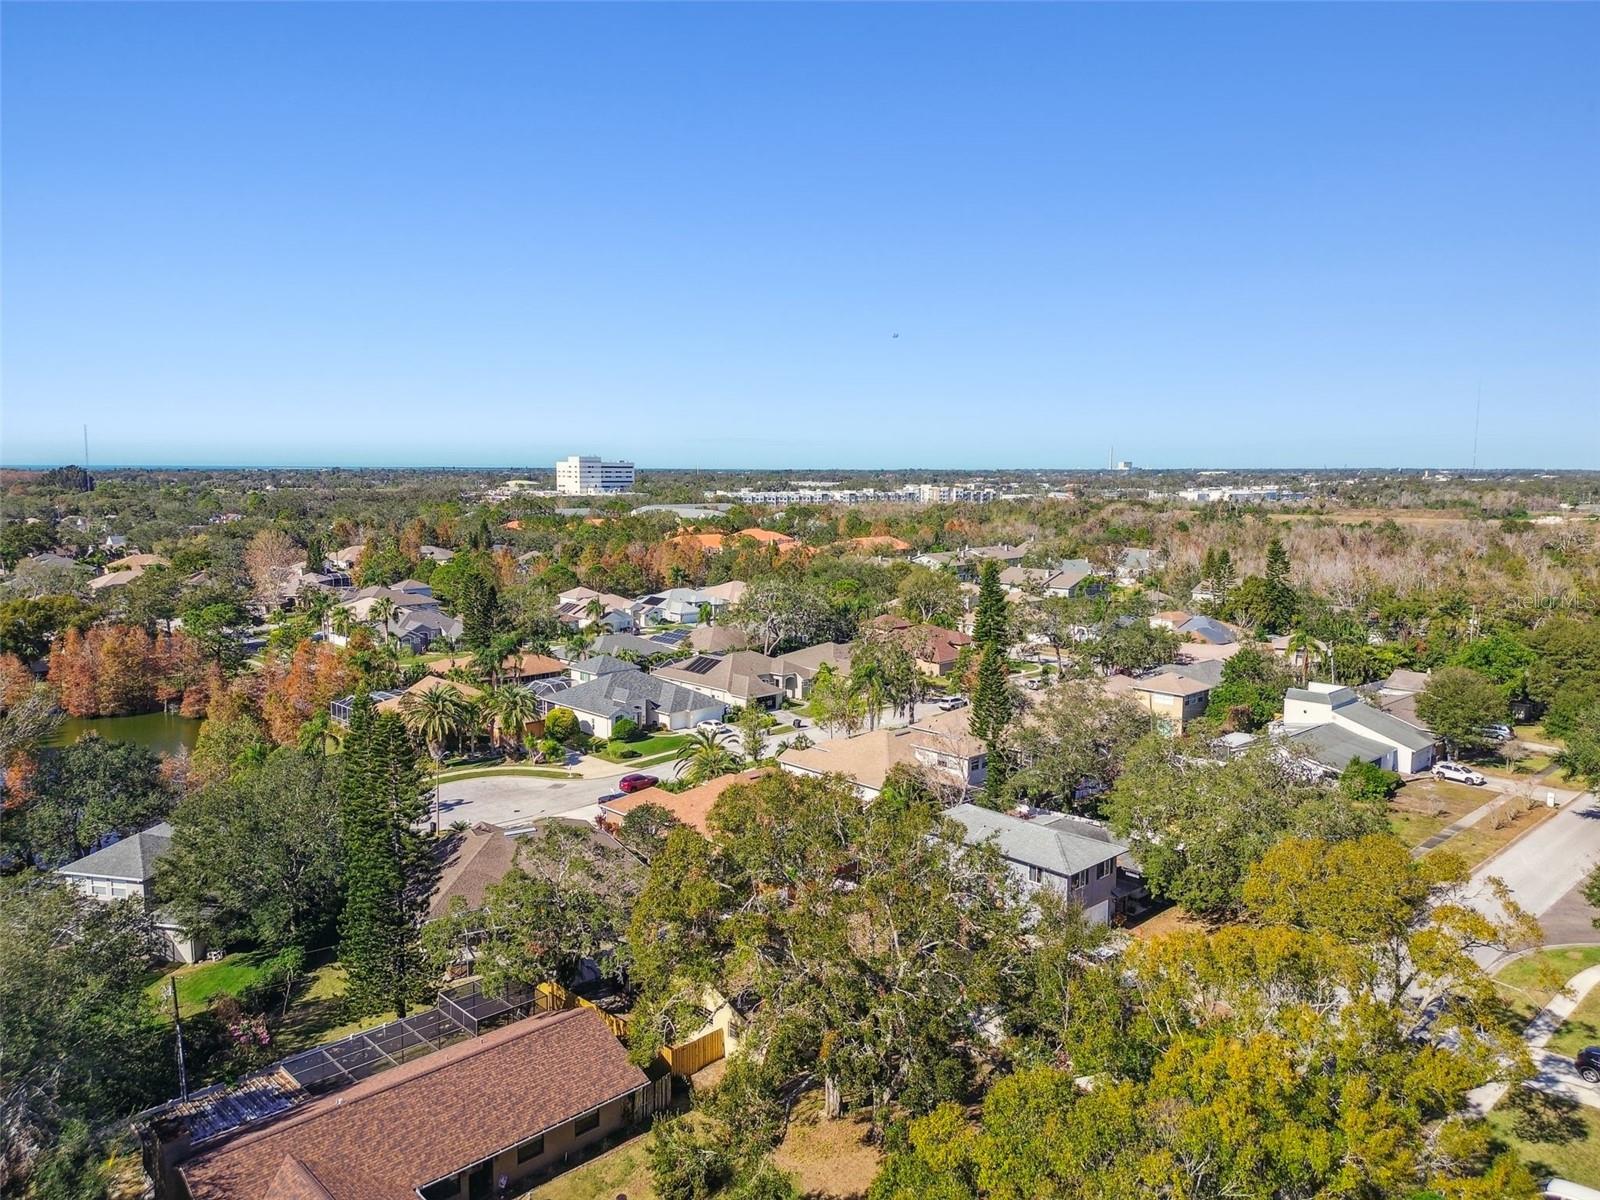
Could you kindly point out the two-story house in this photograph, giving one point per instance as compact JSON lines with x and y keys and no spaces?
{"x":125,"y":870}
{"x":1074,"y":857}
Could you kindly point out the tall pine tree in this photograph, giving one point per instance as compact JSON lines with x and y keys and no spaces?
{"x":385,"y":864}
{"x":989,"y":622}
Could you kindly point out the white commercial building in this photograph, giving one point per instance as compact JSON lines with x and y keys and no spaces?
{"x":585,"y":475}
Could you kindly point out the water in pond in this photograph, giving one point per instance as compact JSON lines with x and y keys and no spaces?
{"x":163,"y":732}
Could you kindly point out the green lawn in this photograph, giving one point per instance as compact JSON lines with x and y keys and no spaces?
{"x":1553,"y":1135}
{"x":647,"y":747}
{"x":483,"y":772}
{"x":1529,"y":983}
{"x":201,"y":983}
{"x":622,"y":1171}
{"x":1580,"y":1029}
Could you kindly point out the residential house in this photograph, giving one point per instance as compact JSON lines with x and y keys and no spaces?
{"x":1170,"y":620}
{"x":1207,"y":629}
{"x":436,"y":554}
{"x":48,"y":561}
{"x":1134,"y":564}
{"x":877,"y":543}
{"x":1076,"y":858}
{"x":649,"y":701}
{"x":1405,"y":747}
{"x":116,"y":541}
{"x":965,"y":563}
{"x":1398,"y":695}
{"x":740,"y":677}
{"x":683,"y":606}
{"x":800,"y":667}
{"x":940,"y":745}
{"x":473,"y":860}
{"x":1173,"y":700}
{"x":347,"y":558}
{"x":517,"y":668}
{"x":462,"y":1123}
{"x":579,"y":607}
{"x":692,"y":806}
{"x":125,"y":570}
{"x":125,"y":870}
{"x":714,"y":639}
{"x":646,"y":649}
{"x":592,"y":667}
{"x":934,"y":648}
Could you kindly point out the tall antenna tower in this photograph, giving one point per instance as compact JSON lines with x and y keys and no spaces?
{"x":1477,"y":412}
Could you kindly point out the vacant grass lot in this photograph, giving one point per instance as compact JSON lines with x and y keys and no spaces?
{"x":1530,"y":982}
{"x":1553,"y":1135}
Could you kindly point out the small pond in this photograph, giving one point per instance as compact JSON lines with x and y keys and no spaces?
{"x":166,"y":733}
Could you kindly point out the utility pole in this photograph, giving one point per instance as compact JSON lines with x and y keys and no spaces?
{"x":183,"y":1074}
{"x":1477,"y":413}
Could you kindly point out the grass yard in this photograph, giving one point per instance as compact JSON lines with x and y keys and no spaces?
{"x":1530,"y":982}
{"x":1580,"y":1029}
{"x":828,"y":1159}
{"x":648,"y":747}
{"x":315,"y":1013}
{"x":1480,"y":843}
{"x":621,"y":1171}
{"x":484,"y":772}
{"x":1423,"y":807}
{"x":201,"y":983}
{"x":1553,"y":1135}
{"x":1533,"y":733}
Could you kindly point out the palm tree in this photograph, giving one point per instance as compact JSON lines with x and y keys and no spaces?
{"x":1301,"y":647}
{"x":594,"y":610}
{"x":514,"y":706}
{"x":318,"y":604}
{"x":707,"y":755}
{"x":342,"y":621}
{"x":434,"y":717}
{"x":383,"y":611}
{"x":867,"y":681}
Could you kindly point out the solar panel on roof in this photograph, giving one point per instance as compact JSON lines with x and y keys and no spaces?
{"x":672,"y":637}
{"x":700,"y":665}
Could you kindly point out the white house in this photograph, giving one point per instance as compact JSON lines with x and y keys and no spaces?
{"x":125,"y":870}
{"x":1404,"y":747}
{"x":649,"y":702}
{"x":1074,"y":857}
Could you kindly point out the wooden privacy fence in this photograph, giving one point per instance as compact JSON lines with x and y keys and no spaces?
{"x":685,"y":1059}
{"x":691,"y":1056}
{"x":552,"y":997}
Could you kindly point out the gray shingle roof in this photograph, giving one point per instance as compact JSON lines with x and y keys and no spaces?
{"x":1212,"y":631}
{"x":1387,"y":725}
{"x":604,"y":664}
{"x":1334,"y":747}
{"x":625,"y":689}
{"x":133,"y":858}
{"x":1207,"y":671}
{"x":1040,"y":842}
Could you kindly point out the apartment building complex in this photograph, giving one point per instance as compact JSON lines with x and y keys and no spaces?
{"x":588,"y":475}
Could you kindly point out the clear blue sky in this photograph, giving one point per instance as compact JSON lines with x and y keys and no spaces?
{"x":493,"y":234}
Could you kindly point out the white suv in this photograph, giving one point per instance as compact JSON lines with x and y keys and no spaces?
{"x":1456,"y":773}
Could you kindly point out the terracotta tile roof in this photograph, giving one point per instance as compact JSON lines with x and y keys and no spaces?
{"x":878,"y":542}
{"x":387,"y":1136}
{"x":692,"y":807}
{"x":528,"y":665}
{"x":767,"y":537}
{"x":428,"y":683}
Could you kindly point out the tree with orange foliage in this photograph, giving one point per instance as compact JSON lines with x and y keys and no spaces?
{"x":16,"y":681}
{"x":72,"y":673}
{"x":268,"y":559}
{"x":318,"y":674}
{"x":124,"y":669}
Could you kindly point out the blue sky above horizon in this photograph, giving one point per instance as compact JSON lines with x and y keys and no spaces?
{"x":1230,"y":235}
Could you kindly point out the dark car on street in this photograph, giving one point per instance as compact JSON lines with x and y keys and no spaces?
{"x":637,"y":783}
{"x":1588,"y":1061}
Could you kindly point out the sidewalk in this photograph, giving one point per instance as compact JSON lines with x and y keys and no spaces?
{"x":1554,"y":1073}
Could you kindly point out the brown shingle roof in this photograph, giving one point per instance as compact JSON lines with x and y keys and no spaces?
{"x":388,"y":1135}
{"x":472,"y":862}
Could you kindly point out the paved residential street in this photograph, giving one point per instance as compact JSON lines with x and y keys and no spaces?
{"x":516,"y":801}
{"x":1543,"y":867}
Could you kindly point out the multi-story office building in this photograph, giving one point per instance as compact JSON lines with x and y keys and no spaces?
{"x":585,"y":475}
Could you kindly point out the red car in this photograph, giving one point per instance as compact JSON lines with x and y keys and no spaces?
{"x":637,"y":783}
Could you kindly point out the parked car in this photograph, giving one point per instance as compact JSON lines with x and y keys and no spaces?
{"x":1456,"y":773}
{"x":610,"y":796}
{"x":713,"y":726}
{"x":1588,"y":1062}
{"x":1500,"y":733}
{"x":951,"y":703}
{"x":637,"y":783}
{"x":1565,"y":1189}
